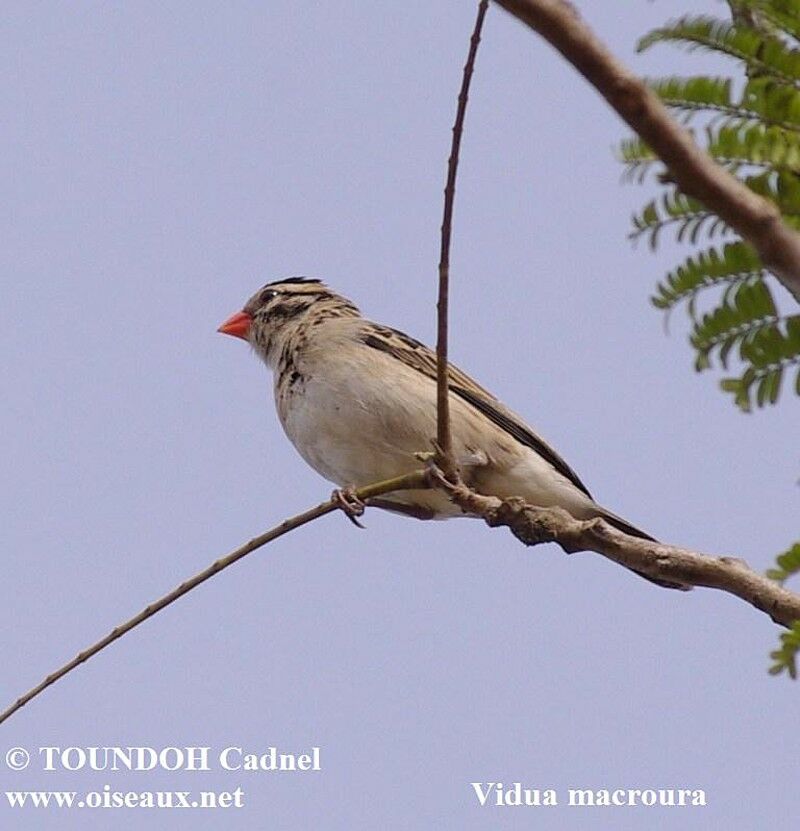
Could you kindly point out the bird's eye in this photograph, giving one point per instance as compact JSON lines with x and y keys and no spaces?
{"x":268,"y":295}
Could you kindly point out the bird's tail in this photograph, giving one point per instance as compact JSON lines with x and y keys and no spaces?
{"x":622,"y":525}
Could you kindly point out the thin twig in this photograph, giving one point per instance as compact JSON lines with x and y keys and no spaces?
{"x":443,"y":435}
{"x":696,"y":173}
{"x":411,"y":481}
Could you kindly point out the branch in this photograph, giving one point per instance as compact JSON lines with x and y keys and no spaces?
{"x":443,"y":434}
{"x":411,"y":481}
{"x":697,"y":175}
{"x":533,"y":525}
{"x":754,"y":218}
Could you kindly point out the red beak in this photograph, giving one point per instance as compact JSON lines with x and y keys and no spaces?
{"x":237,"y":325}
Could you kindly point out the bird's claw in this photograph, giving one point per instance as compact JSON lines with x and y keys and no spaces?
{"x":430,"y":459}
{"x":347,"y":500}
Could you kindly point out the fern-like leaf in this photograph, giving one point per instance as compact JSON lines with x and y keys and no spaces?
{"x":786,"y":564}
{"x":675,"y":208}
{"x":770,"y":348}
{"x":637,"y":157}
{"x":761,"y":53}
{"x":740,"y":318}
{"x":697,"y":94}
{"x":784,"y":15}
{"x":780,"y":187}
{"x":785,"y":657}
{"x":755,"y":134}
{"x":755,"y":145}
{"x":734,"y":264}
{"x":762,"y":100}
{"x":771,"y":103}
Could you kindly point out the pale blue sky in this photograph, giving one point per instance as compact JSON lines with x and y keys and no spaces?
{"x":160,"y":162}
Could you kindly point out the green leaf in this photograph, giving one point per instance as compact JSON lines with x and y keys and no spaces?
{"x":756,"y":144}
{"x":785,"y":657}
{"x":734,"y":263}
{"x":783,"y":14}
{"x":674,"y":208}
{"x":786,"y":564}
{"x":750,"y":125}
{"x":758,"y":51}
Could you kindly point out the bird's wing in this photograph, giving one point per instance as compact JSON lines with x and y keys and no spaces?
{"x":421,"y":358}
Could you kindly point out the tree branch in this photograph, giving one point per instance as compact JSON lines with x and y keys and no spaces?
{"x":754,"y":218}
{"x":412,"y":481}
{"x":532,"y":525}
{"x":697,"y":175}
{"x":443,"y":434}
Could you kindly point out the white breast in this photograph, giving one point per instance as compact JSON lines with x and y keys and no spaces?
{"x":355,"y":426}
{"x":359,"y":416}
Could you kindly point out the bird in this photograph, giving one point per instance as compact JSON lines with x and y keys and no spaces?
{"x":357,"y":399}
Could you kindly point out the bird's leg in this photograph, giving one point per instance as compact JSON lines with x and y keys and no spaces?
{"x":348,"y":501}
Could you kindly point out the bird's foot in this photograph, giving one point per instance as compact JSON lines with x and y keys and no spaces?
{"x":347,"y":500}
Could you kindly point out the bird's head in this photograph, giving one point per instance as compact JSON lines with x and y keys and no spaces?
{"x":275,"y":311}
